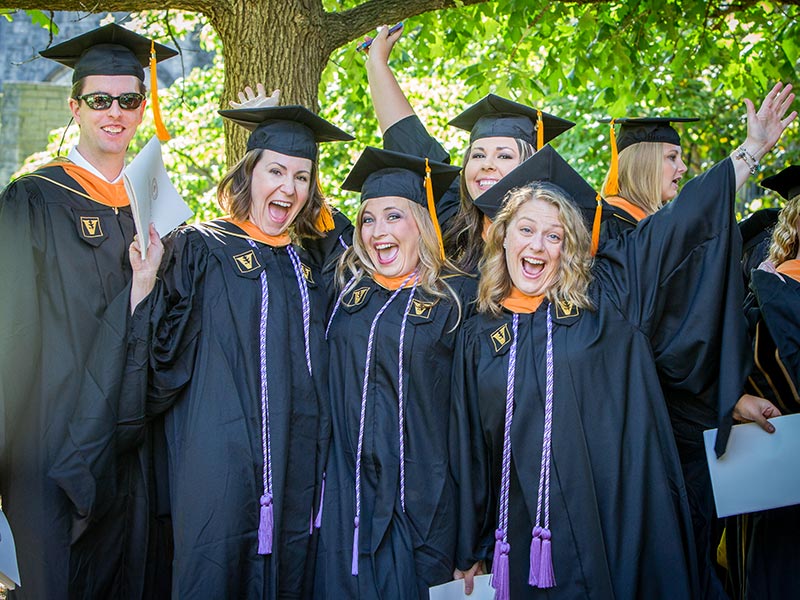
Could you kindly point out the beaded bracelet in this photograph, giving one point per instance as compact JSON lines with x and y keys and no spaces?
{"x":752,"y":163}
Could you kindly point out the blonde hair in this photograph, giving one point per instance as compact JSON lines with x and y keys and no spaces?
{"x":641,"y":167}
{"x":355,"y":262}
{"x":574,"y":268}
{"x":234,"y":195}
{"x":784,"y":244}
{"x":463,"y":240}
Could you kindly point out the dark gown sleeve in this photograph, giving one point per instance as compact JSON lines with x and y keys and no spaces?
{"x":469,"y":459}
{"x":21,"y":243}
{"x":410,"y":136}
{"x":677,"y":276}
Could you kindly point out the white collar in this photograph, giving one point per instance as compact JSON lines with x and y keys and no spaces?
{"x":76,"y":157}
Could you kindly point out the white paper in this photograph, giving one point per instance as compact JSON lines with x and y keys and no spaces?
{"x":759,"y":470}
{"x":9,"y":571}
{"x":153,"y":197}
{"x":455,"y":590}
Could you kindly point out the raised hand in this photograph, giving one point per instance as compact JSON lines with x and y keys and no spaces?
{"x":251,"y":99}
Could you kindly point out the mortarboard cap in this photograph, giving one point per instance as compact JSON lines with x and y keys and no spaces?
{"x":107,"y":50}
{"x":647,"y":129}
{"x":292,"y":130}
{"x":548,"y":165}
{"x":380,"y":173}
{"x":494,"y":116}
{"x":634,"y":130}
{"x":786,"y":183}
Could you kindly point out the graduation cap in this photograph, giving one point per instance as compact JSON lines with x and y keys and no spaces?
{"x":114,"y":50}
{"x":494,"y":116}
{"x":547,"y":165}
{"x":380,"y":173}
{"x":786,"y":183}
{"x":639,"y":129}
{"x":107,"y":50}
{"x":292,"y":130}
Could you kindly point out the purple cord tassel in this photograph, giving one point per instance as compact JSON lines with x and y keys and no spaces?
{"x":354,"y":566}
{"x":498,"y":542}
{"x":536,"y":557}
{"x":318,"y":520}
{"x":547,"y":578}
{"x":500,"y":573}
{"x":265,"y":525}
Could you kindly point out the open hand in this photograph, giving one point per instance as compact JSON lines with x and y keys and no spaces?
{"x":250,"y":99}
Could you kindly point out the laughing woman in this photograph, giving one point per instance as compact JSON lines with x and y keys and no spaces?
{"x":568,"y":473}
{"x":233,"y":333}
{"x":388,"y":528}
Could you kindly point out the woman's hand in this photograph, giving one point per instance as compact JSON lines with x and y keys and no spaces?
{"x":382,"y":45}
{"x":469,"y":576}
{"x":249,"y":99}
{"x":145,"y":271}
{"x":764,"y":128}
{"x":752,"y":409}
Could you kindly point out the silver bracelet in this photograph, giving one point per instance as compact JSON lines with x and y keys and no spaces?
{"x":752,"y":163}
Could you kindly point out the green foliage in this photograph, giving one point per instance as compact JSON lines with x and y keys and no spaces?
{"x":578,"y":61}
{"x":37,"y":17}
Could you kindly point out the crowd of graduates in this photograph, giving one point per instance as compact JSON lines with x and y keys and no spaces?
{"x":494,"y":369}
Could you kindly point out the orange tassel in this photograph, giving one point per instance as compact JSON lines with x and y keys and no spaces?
{"x":539,"y":130}
{"x":612,"y":187}
{"x":161,"y":131}
{"x":325,"y":222}
{"x":432,"y":207}
{"x":598,"y":213}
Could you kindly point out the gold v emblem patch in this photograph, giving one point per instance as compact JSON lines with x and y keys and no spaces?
{"x":247,"y":261}
{"x":358,"y":296}
{"x":91,"y":227}
{"x":565,"y":308}
{"x":500,"y":337}
{"x":307,"y":273}
{"x":421,"y":309}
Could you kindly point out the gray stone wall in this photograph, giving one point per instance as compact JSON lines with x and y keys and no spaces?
{"x":28,"y":112}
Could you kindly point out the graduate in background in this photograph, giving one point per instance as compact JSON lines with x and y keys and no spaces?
{"x":593,"y":503}
{"x":64,"y":236}
{"x":388,"y":528}
{"x":231,"y":339}
{"x":502,"y":135}
{"x":644,"y":176}
{"x":765,"y":552}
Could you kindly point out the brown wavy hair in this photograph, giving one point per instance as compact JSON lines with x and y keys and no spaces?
{"x":463,"y":240}
{"x":355,"y":262}
{"x":641,"y":167}
{"x":235,"y":188}
{"x":785,"y":241}
{"x":574,"y":269}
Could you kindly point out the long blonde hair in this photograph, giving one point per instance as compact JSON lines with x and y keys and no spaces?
{"x":641,"y":167}
{"x":784,"y":244}
{"x":574,"y":268}
{"x":355,"y":262}
{"x":463,"y":240}
{"x":234,"y":195}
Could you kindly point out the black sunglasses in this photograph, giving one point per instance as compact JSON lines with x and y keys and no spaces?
{"x":103,"y":101}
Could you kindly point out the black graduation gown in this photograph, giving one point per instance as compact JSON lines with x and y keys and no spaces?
{"x":767,"y":541}
{"x":63,"y":260}
{"x":401,"y":553}
{"x":702,"y":378}
{"x":203,"y":340}
{"x":619,"y":508}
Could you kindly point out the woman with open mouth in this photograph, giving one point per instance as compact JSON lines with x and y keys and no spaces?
{"x":569,"y":476}
{"x":230,"y":339}
{"x":389,"y":519}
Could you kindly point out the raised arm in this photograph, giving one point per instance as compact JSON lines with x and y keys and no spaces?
{"x":764,"y":129}
{"x":391,"y":104}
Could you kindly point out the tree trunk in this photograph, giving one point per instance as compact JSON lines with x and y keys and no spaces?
{"x":278,"y":43}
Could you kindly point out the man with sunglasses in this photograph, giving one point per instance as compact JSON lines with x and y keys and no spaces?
{"x":65,"y":231}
